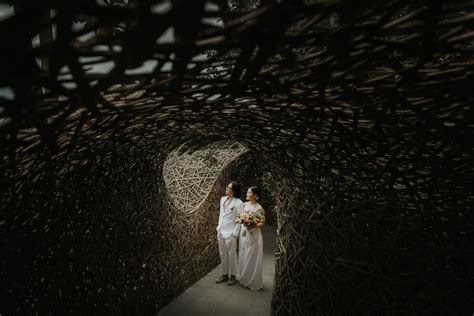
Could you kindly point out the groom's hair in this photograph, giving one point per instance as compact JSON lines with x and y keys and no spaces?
{"x":236,"y":189}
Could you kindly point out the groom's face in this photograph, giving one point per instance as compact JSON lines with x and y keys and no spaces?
{"x":228,"y":190}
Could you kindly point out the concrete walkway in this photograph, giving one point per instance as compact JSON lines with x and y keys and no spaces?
{"x":206,"y":297}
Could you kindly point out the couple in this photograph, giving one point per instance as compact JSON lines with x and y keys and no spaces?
{"x":250,"y":243}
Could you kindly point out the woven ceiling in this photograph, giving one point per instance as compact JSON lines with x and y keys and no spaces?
{"x":362,"y":109}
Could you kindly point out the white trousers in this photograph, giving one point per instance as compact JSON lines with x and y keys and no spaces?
{"x":228,"y":253}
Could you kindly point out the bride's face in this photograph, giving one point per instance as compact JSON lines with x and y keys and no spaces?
{"x":250,"y":195}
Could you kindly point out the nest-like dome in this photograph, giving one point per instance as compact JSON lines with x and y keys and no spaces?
{"x":362,"y":111}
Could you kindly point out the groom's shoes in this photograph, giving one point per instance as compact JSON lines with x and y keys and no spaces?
{"x":232,"y":280}
{"x":222,"y":278}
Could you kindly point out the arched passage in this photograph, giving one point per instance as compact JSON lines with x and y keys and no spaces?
{"x":366,"y":143}
{"x":205,"y":173}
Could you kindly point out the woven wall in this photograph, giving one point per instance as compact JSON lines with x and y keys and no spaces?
{"x":346,"y":249}
{"x":362,"y":112}
{"x":84,"y":238}
{"x":103,"y":237}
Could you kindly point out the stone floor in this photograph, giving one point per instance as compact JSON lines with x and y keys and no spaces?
{"x":206,"y":297}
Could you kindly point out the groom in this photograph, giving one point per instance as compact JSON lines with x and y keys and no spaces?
{"x":228,"y":232}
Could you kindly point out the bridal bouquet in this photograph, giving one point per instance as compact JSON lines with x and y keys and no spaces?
{"x":250,"y":218}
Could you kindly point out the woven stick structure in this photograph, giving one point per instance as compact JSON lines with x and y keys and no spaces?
{"x":362,"y":111}
{"x":189,"y":176}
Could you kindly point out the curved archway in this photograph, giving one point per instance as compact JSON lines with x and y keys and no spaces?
{"x":364,"y":132}
{"x":189,"y":176}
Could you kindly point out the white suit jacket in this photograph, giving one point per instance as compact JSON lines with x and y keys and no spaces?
{"x":227,"y":227}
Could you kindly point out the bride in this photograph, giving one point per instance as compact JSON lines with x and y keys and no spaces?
{"x":251,"y":245}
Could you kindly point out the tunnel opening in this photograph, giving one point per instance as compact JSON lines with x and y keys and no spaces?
{"x":205,"y":172}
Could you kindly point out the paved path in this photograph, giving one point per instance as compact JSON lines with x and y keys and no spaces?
{"x":206,"y":297}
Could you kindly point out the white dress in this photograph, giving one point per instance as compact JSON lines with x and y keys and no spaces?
{"x":251,"y":253}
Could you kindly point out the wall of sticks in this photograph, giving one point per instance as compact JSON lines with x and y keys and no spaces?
{"x":361,"y":111}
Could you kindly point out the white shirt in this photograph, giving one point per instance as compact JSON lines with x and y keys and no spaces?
{"x":228,"y":210}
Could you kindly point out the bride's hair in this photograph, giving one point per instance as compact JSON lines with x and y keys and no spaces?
{"x":256,"y":191}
